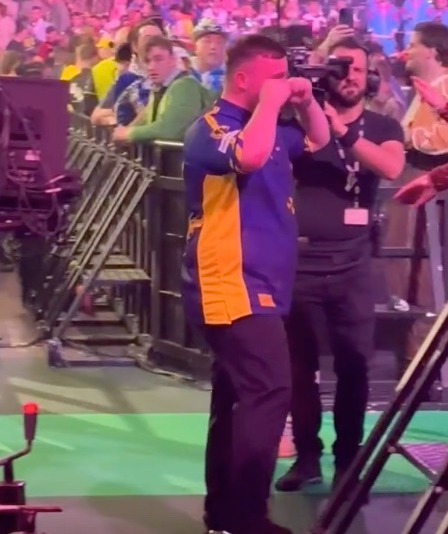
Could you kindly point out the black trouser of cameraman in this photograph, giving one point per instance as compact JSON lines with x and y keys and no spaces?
{"x":346,"y":302}
{"x":251,"y":396}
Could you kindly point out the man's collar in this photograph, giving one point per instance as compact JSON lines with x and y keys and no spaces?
{"x":194,"y":65}
{"x":232,"y":110}
{"x":171,"y":78}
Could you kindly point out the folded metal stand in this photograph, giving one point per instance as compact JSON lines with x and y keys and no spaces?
{"x":384,"y":440}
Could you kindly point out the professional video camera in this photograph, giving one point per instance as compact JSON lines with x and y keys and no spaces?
{"x":298,"y":43}
{"x":319,"y":75}
{"x":34,"y":184}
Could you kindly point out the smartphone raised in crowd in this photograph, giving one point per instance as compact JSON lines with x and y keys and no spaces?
{"x":346,"y":17}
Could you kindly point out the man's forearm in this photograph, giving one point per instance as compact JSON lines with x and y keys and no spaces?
{"x":315,"y":124}
{"x":378,"y":159}
{"x":102,"y":116}
{"x":258,"y":138}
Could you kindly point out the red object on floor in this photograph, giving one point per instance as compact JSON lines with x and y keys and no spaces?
{"x":286,"y":447}
{"x":86,"y":302}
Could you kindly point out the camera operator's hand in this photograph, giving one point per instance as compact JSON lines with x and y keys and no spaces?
{"x":337,"y":126}
{"x":275,"y":93}
{"x":301,"y":92}
{"x":335,"y":35}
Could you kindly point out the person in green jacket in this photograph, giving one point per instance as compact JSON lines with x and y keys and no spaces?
{"x":176,"y":98}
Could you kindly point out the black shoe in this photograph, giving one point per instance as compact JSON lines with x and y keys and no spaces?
{"x":304,"y":471}
{"x":338,"y":476}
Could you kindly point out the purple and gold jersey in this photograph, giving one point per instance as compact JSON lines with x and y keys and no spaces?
{"x":241,"y":248}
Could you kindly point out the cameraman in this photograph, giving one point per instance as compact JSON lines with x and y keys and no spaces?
{"x":336,"y":192}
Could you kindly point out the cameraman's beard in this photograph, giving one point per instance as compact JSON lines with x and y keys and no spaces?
{"x":339,"y":100}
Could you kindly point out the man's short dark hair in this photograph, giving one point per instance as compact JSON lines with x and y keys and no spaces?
{"x":351,"y":43}
{"x":158,"y":41}
{"x":434,"y":35}
{"x":123,"y":53}
{"x":249,"y":47}
{"x":135,"y":30}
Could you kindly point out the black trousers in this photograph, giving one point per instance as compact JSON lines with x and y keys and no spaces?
{"x":251,"y":397}
{"x":345,"y":300}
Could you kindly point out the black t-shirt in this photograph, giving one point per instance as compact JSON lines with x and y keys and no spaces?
{"x":325,"y":242}
{"x":82,"y":93}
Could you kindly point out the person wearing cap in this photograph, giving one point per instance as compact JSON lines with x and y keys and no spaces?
{"x":104,"y":73}
{"x":208,"y":63}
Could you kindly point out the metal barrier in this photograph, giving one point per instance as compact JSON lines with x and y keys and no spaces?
{"x":128,"y":261}
{"x":113,"y":277}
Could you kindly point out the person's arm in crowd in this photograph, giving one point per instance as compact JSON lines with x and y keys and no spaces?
{"x":439,"y":177}
{"x":387,"y":160}
{"x":104,"y":113}
{"x":183,"y":106}
{"x":424,"y":188}
{"x":103,"y":117}
{"x":140,"y":119}
{"x":430,"y":95}
{"x":336,"y":34}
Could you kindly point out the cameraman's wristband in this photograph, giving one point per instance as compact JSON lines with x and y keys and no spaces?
{"x":349,"y":138}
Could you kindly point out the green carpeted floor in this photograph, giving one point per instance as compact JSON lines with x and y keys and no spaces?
{"x":158,"y":454}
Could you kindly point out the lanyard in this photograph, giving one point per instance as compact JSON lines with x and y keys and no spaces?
{"x":352,"y":170}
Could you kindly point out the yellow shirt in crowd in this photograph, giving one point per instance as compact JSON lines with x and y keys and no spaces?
{"x":69,"y":72}
{"x":104,"y":75}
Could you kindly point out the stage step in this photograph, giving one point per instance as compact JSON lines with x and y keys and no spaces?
{"x":118,"y":261}
{"x":429,"y":458}
{"x":401,"y":253}
{"x":99,"y":317}
{"x":120,"y":276}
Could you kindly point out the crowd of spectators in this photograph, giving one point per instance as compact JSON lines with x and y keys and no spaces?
{"x":150,"y":67}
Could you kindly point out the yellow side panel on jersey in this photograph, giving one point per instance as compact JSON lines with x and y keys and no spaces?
{"x":219,"y":254}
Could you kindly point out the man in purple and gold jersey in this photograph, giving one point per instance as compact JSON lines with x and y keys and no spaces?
{"x":238,"y":271}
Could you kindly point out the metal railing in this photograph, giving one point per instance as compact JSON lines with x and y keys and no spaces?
{"x":154,"y":239}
